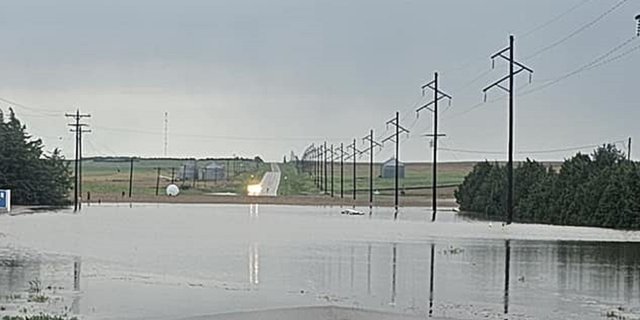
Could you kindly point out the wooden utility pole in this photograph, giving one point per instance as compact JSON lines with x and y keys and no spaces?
{"x":510,"y":90}
{"x":354,"y":155}
{"x":332,"y":155}
{"x":396,"y":138}
{"x":437,"y":96}
{"x":77,"y":129}
{"x":130,"y":177}
{"x":341,"y":170}
{"x":158,"y":181}
{"x":372,"y":145}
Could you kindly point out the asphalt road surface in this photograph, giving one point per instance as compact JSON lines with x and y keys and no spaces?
{"x":271,"y":181}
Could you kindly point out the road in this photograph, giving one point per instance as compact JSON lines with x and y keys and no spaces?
{"x":270,"y":182}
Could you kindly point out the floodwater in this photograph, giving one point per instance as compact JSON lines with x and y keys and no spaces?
{"x":177,"y":261}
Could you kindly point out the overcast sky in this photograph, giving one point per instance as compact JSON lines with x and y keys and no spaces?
{"x":267,"y":77}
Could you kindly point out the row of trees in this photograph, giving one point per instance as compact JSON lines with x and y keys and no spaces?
{"x":34,"y":177}
{"x":601,"y":189}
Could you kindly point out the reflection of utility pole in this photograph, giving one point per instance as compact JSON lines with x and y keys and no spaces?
{"x":173,"y":174}
{"x":393,"y":275}
{"x":431,"y":279}
{"x":396,"y":122}
{"x":78,"y":128}
{"x":372,"y":145}
{"x":437,"y":95}
{"x":510,"y":90}
{"x":507,"y":262}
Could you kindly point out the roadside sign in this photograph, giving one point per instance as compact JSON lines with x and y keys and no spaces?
{"x":5,"y":200}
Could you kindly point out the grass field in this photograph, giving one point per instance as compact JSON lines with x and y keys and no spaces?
{"x":110,"y":179}
{"x":416,"y":175}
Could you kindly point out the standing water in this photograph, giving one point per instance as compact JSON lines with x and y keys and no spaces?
{"x":179,"y":261}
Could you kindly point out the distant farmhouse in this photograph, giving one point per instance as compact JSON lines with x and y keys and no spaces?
{"x":388,"y":170}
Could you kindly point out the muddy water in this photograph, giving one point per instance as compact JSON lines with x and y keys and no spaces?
{"x":175,"y":261}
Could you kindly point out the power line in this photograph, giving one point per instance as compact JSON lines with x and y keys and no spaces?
{"x":554,"y":19}
{"x":547,"y":151}
{"x":577,"y":31}
{"x":596,"y":63}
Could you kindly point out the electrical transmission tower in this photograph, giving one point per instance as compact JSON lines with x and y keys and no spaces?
{"x":437,"y":96}
{"x":354,"y":155}
{"x":77,"y":129}
{"x":512,"y":73}
{"x":396,"y":138}
{"x":372,"y":145}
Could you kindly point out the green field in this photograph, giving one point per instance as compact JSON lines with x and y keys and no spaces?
{"x":416,"y":175}
{"x":110,"y":178}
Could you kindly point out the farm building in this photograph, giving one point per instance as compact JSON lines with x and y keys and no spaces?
{"x":388,"y":170}
{"x":188,"y":170}
{"x":213,"y":171}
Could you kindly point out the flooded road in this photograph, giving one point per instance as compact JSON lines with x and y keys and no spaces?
{"x":177,"y":261}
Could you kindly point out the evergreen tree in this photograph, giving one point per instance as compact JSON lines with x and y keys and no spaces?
{"x":33,"y":177}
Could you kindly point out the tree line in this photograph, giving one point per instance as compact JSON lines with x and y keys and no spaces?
{"x":34,"y":177}
{"x":600,"y":190}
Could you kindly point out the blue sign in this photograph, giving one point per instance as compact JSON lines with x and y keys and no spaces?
{"x":5,"y":199}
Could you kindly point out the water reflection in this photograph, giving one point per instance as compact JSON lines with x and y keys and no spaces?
{"x":254,"y":264}
{"x":75,"y":304}
{"x":239,"y":261}
{"x":393,"y":275}
{"x":507,"y":264}
{"x":431,"y":277}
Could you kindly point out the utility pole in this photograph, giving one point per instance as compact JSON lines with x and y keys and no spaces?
{"x":396,"y":136}
{"x":80,"y":164}
{"x":341,"y":170}
{"x":320,"y":179}
{"x":437,"y":96}
{"x":332,"y":155}
{"x":166,"y":129}
{"x":629,"y":149}
{"x":130,"y":177}
{"x":372,"y":145}
{"x":510,"y":90}
{"x":173,"y":174}
{"x":324,"y":156}
{"x":354,"y":154}
{"x":77,"y":129}
{"x":158,"y":181}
